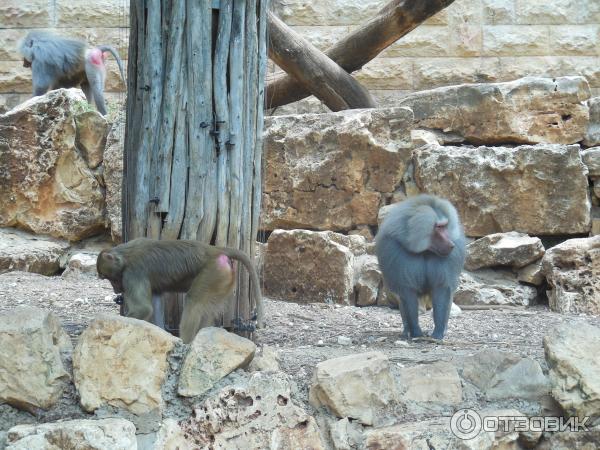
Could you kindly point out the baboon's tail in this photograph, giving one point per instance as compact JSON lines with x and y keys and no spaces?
{"x":245,"y":260}
{"x":108,"y":48}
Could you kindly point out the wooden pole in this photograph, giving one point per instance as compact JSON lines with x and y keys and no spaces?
{"x":314,"y":71}
{"x":191,"y":145}
{"x":394,"y":20}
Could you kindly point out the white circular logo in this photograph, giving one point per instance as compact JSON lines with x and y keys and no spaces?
{"x":465,"y":424}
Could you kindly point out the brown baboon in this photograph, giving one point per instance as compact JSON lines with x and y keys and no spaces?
{"x":143,"y":267}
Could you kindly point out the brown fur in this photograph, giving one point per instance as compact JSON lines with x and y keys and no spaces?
{"x":143,"y":267}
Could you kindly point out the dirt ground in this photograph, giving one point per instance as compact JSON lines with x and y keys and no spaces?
{"x":304,"y":335}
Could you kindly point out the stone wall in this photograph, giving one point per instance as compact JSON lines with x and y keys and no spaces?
{"x":105,"y":22}
{"x":471,"y":41}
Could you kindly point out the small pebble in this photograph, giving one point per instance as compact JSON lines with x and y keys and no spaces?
{"x":320,"y":343}
{"x":344,"y":340}
{"x":401,"y":343}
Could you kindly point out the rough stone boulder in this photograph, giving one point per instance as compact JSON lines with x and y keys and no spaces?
{"x":81,"y":263}
{"x":113,"y":175}
{"x":501,"y":375}
{"x":103,"y":434}
{"x":530,"y":110}
{"x":572,"y":270}
{"x":49,"y":177}
{"x":432,"y":384}
{"x":308,"y":266}
{"x":358,"y":386}
{"x":503,"y":249}
{"x":26,"y":252}
{"x":500,"y":189}
{"x":592,"y":134}
{"x":368,"y":280}
{"x":436,"y":433}
{"x":254,"y":415}
{"x":572,"y":356}
{"x":122,"y":362}
{"x":214,"y":353}
{"x":493,"y":287}
{"x":32,"y":373}
{"x":332,"y":171}
{"x":591,"y":158}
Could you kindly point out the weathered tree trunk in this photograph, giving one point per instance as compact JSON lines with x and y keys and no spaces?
{"x":393,"y":21}
{"x":314,"y":70}
{"x":192,"y":147}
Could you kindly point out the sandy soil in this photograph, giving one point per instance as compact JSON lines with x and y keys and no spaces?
{"x":307,"y":334}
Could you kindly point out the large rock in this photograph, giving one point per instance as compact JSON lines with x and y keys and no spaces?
{"x":572,"y":356}
{"x":254,"y":415}
{"x":498,"y":189}
{"x":46,"y":185}
{"x":323,"y":267}
{"x":591,"y":158}
{"x":32,"y":374}
{"x":358,"y":386}
{"x":214,"y":353}
{"x":332,"y":171}
{"x":170,"y":437}
{"x":503,"y":249}
{"x":368,"y":280}
{"x":122,"y":362}
{"x":501,"y":375}
{"x":525,"y":111}
{"x":26,"y":252}
{"x":569,"y":440}
{"x":103,"y":434}
{"x":493,"y":287}
{"x":81,"y":263}
{"x":437,"y":434}
{"x":436,"y":383}
{"x":113,"y":175}
{"x":90,"y":137}
{"x":592,"y":134}
{"x":573,"y":273}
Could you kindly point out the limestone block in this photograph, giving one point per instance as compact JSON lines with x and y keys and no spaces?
{"x":254,"y":415}
{"x":32,"y":374}
{"x":572,"y":270}
{"x":51,"y":190}
{"x":90,"y":137}
{"x":214,"y":353}
{"x":510,"y":40}
{"x":515,"y":112}
{"x":103,"y":434}
{"x":341,"y":12}
{"x":323,"y":269}
{"x":502,"y":375}
{"x":510,"y":249}
{"x":121,"y":362}
{"x":499,"y":189}
{"x":328,"y":171}
{"x":572,"y":356}
{"x":113,"y":175}
{"x":16,"y":13}
{"x":592,"y":134}
{"x":493,"y":287}
{"x":359,"y":386}
{"x":436,"y":383}
{"x":27,"y":252}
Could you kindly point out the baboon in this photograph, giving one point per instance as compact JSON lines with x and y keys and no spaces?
{"x":420,"y":247}
{"x":59,"y":62}
{"x":143,"y":267}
